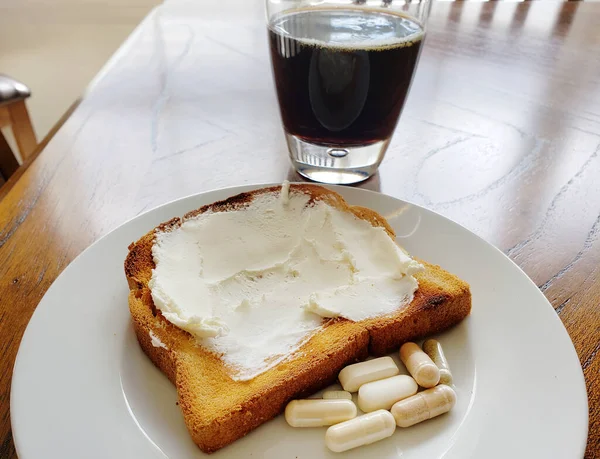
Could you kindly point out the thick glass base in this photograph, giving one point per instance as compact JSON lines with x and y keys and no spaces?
{"x":335,"y":165}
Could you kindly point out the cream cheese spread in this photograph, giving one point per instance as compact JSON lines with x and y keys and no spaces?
{"x":156,"y":342}
{"x":253,"y":284}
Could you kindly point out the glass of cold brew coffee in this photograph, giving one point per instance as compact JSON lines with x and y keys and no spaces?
{"x":343,"y":70}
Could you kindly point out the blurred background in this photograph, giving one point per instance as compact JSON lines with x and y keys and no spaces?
{"x":57,"y":46}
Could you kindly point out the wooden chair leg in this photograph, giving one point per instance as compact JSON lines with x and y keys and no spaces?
{"x":8,"y":162}
{"x":4,"y":117}
{"x":22,"y":128}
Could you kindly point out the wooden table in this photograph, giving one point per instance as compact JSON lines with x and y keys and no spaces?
{"x":501,"y":133}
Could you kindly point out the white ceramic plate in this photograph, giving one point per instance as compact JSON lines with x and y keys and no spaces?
{"x":82,"y":388}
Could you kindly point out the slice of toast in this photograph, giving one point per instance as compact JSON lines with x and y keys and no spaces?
{"x":218,"y":410}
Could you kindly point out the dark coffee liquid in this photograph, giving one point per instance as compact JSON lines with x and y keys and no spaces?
{"x":342,"y":75}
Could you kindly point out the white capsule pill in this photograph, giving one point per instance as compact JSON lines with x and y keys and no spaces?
{"x":424,"y":405}
{"x":354,"y":376}
{"x":337,"y":395}
{"x":382,"y":394}
{"x":419,"y":365}
{"x":363,"y":430}
{"x":434,"y":350}
{"x":317,"y":413}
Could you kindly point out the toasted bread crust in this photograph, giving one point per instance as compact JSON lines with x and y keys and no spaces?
{"x":218,"y":410}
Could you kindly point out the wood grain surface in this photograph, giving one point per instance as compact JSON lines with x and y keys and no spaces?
{"x":501,"y":133}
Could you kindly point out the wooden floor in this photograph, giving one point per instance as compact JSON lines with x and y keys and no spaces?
{"x":57,"y":47}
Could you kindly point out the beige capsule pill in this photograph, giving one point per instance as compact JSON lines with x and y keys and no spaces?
{"x":419,"y":365}
{"x":382,"y":394}
{"x":434,"y":350}
{"x":424,"y":405}
{"x":354,"y":376}
{"x":317,"y":413}
{"x":337,"y":395}
{"x":360,"y":431}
